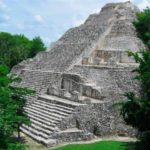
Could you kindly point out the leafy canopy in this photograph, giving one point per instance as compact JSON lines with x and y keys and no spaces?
{"x":143,"y":26}
{"x":15,"y":48}
{"x":136,"y":110}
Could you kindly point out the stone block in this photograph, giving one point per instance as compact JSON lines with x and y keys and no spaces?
{"x":85,"y":61}
{"x":62,"y":92}
{"x":75,"y":96}
{"x":87,"y":101}
{"x":112,"y":61}
{"x":53,"y":90}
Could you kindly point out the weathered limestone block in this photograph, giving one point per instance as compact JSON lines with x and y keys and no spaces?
{"x":96,"y":61}
{"x":73,"y":135}
{"x":94,"y":93}
{"x":85,"y":61}
{"x":51,"y":143}
{"x":87,"y":101}
{"x":88,"y":91}
{"x":112,"y":62}
{"x":52,"y":90}
{"x":126,"y":59}
{"x":67,"y":84}
{"x":62,"y":92}
{"x":75,"y":96}
{"x":100,"y":119}
{"x":67,"y":95}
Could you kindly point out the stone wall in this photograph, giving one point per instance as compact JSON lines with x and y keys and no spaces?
{"x":104,"y":56}
{"x":111,"y":82}
{"x":100,"y":119}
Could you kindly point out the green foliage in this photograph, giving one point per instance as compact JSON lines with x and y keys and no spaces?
{"x":37,"y":46}
{"x":143,"y":26}
{"x":17,"y":146}
{"x":15,"y":48}
{"x":136,"y":110}
{"x":143,"y":71}
{"x":12,"y":115}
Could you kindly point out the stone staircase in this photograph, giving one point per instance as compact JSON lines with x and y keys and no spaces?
{"x":45,"y":114}
{"x":37,"y":80}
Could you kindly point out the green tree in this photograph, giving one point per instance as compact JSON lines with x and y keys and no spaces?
{"x":15,"y":48}
{"x":37,"y":46}
{"x":6,"y":42}
{"x":136,"y":110}
{"x":143,"y":26}
{"x":12,"y":115}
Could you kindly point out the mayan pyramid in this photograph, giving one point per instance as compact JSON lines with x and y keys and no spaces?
{"x":80,"y":77}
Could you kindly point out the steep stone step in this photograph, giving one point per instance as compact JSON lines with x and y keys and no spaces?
{"x":37,"y":80}
{"x":50,"y":126}
{"x":47,"y":115}
{"x":35,"y":131}
{"x":47,"y":142}
{"x":60,"y":101}
{"x":40,"y":129}
{"x":45,"y":105}
{"x":36,"y":137}
{"x":45,"y":118}
{"x":48,"y":110}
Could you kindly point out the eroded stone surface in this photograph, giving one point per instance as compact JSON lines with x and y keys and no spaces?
{"x":80,"y":78}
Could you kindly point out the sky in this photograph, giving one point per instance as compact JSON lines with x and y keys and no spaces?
{"x":49,"y":19}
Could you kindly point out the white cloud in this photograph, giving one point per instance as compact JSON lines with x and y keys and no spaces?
{"x":39,"y":19}
{"x":144,"y":4}
{"x":3,"y":7}
{"x":2,"y":4}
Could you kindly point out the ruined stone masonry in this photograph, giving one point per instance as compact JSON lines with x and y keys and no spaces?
{"x":80,"y":77}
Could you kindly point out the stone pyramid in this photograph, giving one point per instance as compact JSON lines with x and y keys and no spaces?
{"x":80,"y":77}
